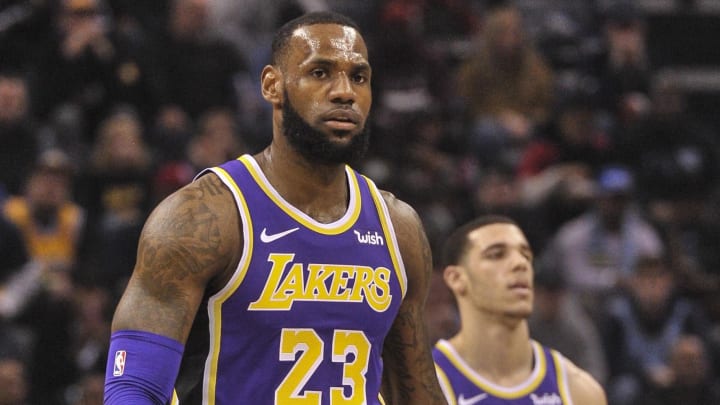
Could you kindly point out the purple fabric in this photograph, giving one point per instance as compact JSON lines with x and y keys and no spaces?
{"x":141,"y":368}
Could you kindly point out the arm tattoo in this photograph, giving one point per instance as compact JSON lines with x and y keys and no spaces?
{"x":181,"y":244}
{"x":211,"y":188}
{"x":410,"y":371}
{"x":413,"y":371}
{"x":188,"y":245}
{"x":396,"y":349}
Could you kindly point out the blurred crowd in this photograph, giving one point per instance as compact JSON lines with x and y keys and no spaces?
{"x":548,"y":111}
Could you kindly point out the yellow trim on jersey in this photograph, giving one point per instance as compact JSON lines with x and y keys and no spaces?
{"x":380,"y":398}
{"x":216,"y":301}
{"x":446,"y":386}
{"x":174,"y":400}
{"x":334,"y":228}
{"x":390,"y":237}
{"x":561,"y":377}
{"x":523,"y":389}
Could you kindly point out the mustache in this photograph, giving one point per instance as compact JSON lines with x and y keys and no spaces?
{"x":315,"y":145}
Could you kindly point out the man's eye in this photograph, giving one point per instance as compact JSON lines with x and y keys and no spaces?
{"x":360,"y":79}
{"x":495,"y":254}
{"x":318,"y":73}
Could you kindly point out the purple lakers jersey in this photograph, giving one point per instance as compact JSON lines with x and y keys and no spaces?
{"x":463,"y":386}
{"x":304,"y":317}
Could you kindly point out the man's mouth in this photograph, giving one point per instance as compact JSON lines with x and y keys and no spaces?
{"x":342,"y":120}
{"x":520,"y":286}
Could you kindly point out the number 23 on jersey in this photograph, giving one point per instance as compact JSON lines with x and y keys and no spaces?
{"x":311,"y":348}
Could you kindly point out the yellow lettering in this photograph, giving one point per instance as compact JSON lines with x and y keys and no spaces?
{"x":322,"y":282}
{"x":268,"y":296}
{"x":363,"y":280}
{"x":338,"y":289}
{"x":378,"y":295}
{"x":316,"y":288}
{"x":292,"y":287}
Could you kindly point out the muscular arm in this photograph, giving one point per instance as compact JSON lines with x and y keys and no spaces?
{"x":583,"y":387}
{"x":185,"y":244}
{"x":409,"y":374}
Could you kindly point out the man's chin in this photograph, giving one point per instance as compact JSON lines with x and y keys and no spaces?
{"x":332,"y":147}
{"x":342,"y":138}
{"x":323,"y":144}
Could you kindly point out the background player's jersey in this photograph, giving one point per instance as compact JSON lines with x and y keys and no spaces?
{"x":463,"y":386}
{"x":304,"y":317}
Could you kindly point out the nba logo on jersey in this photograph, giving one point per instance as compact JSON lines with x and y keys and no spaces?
{"x":119,"y":367}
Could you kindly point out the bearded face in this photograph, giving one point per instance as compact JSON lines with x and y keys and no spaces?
{"x":316,"y":146}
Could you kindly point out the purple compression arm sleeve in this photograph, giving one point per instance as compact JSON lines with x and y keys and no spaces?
{"x":141,"y":368}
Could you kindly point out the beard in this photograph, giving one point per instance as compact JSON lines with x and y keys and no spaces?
{"x":317,"y":147}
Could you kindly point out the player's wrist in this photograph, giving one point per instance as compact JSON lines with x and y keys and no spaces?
{"x":141,"y":368}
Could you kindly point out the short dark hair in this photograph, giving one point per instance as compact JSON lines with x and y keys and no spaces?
{"x":457,"y":243}
{"x":283,"y":34}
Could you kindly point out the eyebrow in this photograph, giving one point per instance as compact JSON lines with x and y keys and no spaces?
{"x":360,"y":66}
{"x":495,"y":246}
{"x":524,"y":247}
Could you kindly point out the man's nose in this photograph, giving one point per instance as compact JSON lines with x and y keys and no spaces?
{"x":521,"y":262}
{"x":342,"y":90}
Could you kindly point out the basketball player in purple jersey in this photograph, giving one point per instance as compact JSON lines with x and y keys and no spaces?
{"x":492,"y":360}
{"x":285,"y":277}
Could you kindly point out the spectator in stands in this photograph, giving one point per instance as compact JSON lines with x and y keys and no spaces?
{"x":249,"y":24}
{"x":506,"y":84}
{"x":13,"y":254}
{"x":116,"y":193}
{"x":19,"y":144}
{"x":90,"y":331}
{"x":644,"y":324}
{"x":497,"y":190}
{"x":194,"y":71}
{"x":597,"y":251}
{"x":14,"y":384}
{"x":692,"y":378}
{"x":426,"y":171}
{"x":217,"y":140}
{"x":18,"y":282}
{"x":624,"y":68}
{"x":556,"y":168}
{"x":413,"y":44}
{"x":51,"y":222}
{"x":91,"y":67}
{"x":71,"y":337}
{"x":559,"y":322}
{"x":690,"y":227}
{"x":675,"y":153}
{"x":145,"y":18}
{"x":565,"y":31}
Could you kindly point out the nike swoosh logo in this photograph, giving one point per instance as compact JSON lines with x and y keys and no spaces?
{"x":275,"y":236}
{"x":472,"y":400}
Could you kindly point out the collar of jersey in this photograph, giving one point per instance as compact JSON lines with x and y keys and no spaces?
{"x":333,"y":228}
{"x":522,"y":389}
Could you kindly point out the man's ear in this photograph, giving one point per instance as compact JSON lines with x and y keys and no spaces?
{"x":271,"y":85}
{"x":455,"y":279}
